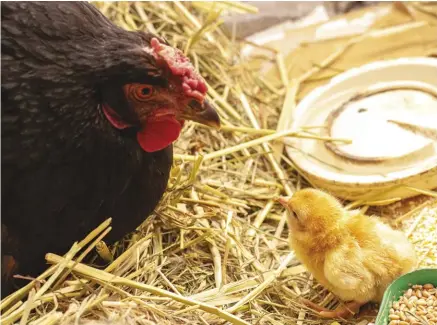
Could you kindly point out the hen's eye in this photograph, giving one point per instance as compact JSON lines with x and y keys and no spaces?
{"x":146,"y":91}
{"x":140,"y":92}
{"x":143,"y":92}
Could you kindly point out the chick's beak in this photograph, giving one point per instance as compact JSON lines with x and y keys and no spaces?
{"x":202,"y":113}
{"x":283,"y":200}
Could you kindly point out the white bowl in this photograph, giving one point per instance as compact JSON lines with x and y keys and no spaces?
{"x":389,"y":111}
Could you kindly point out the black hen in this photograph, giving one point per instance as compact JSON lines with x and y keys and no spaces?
{"x":89,"y":112}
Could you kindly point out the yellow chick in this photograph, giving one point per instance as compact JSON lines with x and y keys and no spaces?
{"x":353,"y":255}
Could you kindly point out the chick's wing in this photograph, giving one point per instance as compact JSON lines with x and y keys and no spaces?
{"x":347,"y":274}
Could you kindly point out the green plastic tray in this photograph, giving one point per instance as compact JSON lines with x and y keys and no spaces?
{"x":397,"y":288}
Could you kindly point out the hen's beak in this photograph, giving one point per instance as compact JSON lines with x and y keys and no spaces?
{"x":202,"y":113}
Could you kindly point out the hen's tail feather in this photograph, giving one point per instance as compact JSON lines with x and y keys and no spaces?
{"x":8,"y":268}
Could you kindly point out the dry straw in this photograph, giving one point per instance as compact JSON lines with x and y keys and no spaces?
{"x":215,"y":250}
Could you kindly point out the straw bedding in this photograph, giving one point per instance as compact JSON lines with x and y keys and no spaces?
{"x":215,"y":251}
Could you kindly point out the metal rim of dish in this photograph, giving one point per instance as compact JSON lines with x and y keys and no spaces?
{"x":375,"y":181}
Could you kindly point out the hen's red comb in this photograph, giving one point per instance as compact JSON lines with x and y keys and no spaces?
{"x":192,"y":83}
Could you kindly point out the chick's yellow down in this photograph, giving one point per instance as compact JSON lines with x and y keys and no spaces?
{"x":353,"y":255}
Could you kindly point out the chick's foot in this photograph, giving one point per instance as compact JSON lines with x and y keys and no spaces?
{"x":343,"y":311}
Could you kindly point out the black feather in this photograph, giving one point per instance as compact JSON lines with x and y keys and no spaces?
{"x":65,"y":169}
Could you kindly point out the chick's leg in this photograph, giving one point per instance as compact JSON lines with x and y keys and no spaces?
{"x":344,"y":311}
{"x":313,"y":305}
